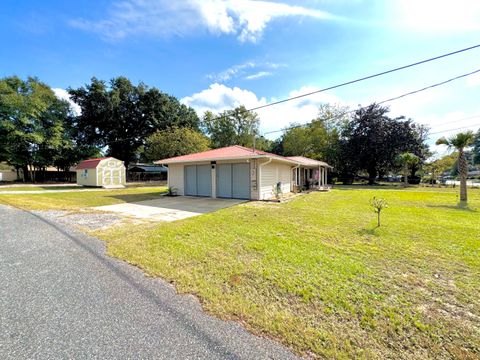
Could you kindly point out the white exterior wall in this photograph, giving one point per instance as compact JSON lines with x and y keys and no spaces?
{"x":87,"y":178}
{"x":176,"y":177}
{"x":270,"y":175}
{"x":8,"y":175}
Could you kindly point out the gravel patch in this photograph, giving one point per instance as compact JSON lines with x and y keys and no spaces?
{"x":90,"y":220}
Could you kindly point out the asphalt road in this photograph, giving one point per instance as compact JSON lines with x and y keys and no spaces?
{"x":61,"y":297}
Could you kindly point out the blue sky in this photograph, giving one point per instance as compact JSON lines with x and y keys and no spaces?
{"x":217,"y":54}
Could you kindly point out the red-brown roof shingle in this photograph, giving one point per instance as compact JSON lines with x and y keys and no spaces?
{"x":90,"y":163}
{"x":225,"y":153}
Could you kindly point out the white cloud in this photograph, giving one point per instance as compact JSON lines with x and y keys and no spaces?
{"x":219,"y":97}
{"x":473,"y":80}
{"x":247,"y":19}
{"x":439,"y":15}
{"x":243,"y":70}
{"x":258,"y":75}
{"x":64,"y":95}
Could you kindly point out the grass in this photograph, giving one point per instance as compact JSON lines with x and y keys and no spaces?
{"x":37,"y":188}
{"x":318,"y":275}
{"x":79,"y":200}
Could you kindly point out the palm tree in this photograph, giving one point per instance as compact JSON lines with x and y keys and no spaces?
{"x":407,"y":160}
{"x":460,"y":141}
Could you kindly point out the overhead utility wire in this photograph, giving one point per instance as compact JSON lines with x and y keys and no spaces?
{"x":361,"y":79}
{"x":387,"y":100}
{"x":460,"y":128}
{"x":458,"y":120}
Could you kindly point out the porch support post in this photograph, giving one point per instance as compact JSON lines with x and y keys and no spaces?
{"x":325,"y":174}
{"x":320,"y":180}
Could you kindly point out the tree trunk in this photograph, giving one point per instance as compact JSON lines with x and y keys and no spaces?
{"x":463,"y":171}
{"x":26,"y":173}
{"x":372,"y":175}
{"x":405,"y":175}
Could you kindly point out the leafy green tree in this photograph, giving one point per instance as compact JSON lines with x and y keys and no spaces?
{"x":319,"y":139}
{"x":31,"y":124}
{"x":231,"y":127}
{"x":439,"y":166}
{"x":460,"y":141}
{"x":372,"y":140}
{"x":298,"y":141}
{"x":476,"y":148}
{"x":174,"y":142}
{"x":120,"y":115}
{"x":406,"y":160}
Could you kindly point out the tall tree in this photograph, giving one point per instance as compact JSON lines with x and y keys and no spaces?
{"x":406,"y":160}
{"x":31,"y":124}
{"x":320,"y":138}
{"x":460,"y":141}
{"x":372,"y":140}
{"x":231,"y":127}
{"x":439,"y":166}
{"x":476,"y":148}
{"x":174,"y":142}
{"x":120,"y":115}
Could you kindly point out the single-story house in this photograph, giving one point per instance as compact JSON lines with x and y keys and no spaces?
{"x":311,"y":174}
{"x":106,"y":172}
{"x":231,"y":172}
{"x":8,"y":175}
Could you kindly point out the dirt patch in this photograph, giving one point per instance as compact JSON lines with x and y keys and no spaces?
{"x":90,"y":220}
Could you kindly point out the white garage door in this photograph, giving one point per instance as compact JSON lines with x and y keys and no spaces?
{"x":198,"y":180}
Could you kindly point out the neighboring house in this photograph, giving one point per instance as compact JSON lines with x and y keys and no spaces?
{"x":106,"y":172}
{"x":231,"y":172}
{"x":310,"y":174}
{"x":8,"y":175}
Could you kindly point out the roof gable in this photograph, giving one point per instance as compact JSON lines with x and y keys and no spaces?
{"x":225,"y":153}
{"x":91,"y":163}
{"x":307,"y":161}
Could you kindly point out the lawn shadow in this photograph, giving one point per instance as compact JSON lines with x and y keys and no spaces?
{"x":367,"y":187}
{"x":368,"y":232}
{"x":460,"y":206}
{"x":132,"y":198}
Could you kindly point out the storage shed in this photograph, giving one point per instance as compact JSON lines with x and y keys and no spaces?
{"x":106,"y":172}
{"x":231,"y":172}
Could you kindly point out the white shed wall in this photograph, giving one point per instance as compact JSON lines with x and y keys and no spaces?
{"x":87,"y":177}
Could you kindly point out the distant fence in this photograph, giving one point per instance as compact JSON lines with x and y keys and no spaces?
{"x":145,"y":176}
{"x":41,"y":176}
{"x":56,"y":176}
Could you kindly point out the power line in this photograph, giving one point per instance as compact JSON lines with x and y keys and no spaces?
{"x":362,"y":79}
{"x":387,"y":100}
{"x":460,"y":128}
{"x":458,"y":120}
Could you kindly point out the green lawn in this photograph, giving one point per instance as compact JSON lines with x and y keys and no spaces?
{"x":317,"y":275}
{"x":37,"y":188}
{"x":81,"y":199}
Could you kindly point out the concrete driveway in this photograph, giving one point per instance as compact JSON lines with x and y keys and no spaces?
{"x":170,"y":208}
{"x":62,"y":297}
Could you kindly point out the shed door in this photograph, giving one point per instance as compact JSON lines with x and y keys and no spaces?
{"x":191,"y":180}
{"x":204,"y":180}
{"x":224,"y":180}
{"x":241,"y":181}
